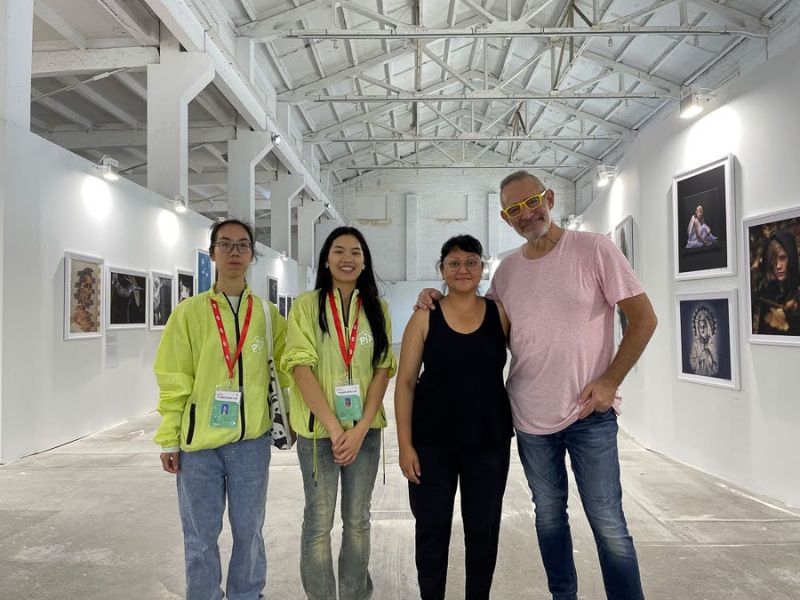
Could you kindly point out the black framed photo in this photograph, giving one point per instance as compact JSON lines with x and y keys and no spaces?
{"x":773,"y":277}
{"x":282,"y":306}
{"x":204,"y":275}
{"x":623,"y":238}
{"x":273,"y":290}
{"x":185,"y":285}
{"x":708,"y":342}
{"x":161,"y":299}
{"x":703,"y":221}
{"x":127,"y":298}
{"x":83,"y":296}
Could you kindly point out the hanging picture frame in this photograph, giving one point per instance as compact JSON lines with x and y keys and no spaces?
{"x":708,"y":341}
{"x":282,"y":306}
{"x":184,"y":285}
{"x":204,"y":271}
{"x":126,"y":305}
{"x":161,"y":299}
{"x":83,"y":296}
{"x":773,"y":277}
{"x":273,"y":290}
{"x":703,"y":209}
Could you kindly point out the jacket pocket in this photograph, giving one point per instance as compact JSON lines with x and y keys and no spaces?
{"x":190,"y":433}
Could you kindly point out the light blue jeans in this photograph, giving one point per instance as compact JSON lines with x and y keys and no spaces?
{"x":358,"y":480}
{"x":240,"y":472}
{"x":592,"y":447}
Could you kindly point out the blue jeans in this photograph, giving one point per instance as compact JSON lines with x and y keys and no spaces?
{"x":358,"y":480}
{"x":240,"y":472}
{"x":592,"y":447}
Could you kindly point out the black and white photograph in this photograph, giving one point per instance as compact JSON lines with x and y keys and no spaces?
{"x":282,"y":306}
{"x":773,"y":277}
{"x":623,"y":238}
{"x":708,"y":344}
{"x":127,"y":298}
{"x":273,"y":290}
{"x":185,"y":285}
{"x":704,"y":221}
{"x":83,"y":296}
{"x":289,"y":302}
{"x":161,"y":299}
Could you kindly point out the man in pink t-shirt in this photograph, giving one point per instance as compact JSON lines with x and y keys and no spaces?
{"x":560,"y":290}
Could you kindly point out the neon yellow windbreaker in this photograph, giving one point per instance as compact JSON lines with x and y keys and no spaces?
{"x":190,"y":365}
{"x":307,"y":345}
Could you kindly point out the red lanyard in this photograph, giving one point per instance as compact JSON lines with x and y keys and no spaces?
{"x":224,"y":338}
{"x":347,"y":353}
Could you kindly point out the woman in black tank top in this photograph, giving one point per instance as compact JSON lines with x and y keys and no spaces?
{"x":454,"y":422}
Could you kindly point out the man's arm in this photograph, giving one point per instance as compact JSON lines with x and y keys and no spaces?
{"x":642,"y":321}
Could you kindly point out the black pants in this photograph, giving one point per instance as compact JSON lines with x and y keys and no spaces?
{"x":482,"y":473}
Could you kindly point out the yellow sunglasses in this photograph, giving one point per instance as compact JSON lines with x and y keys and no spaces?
{"x":513,"y":211}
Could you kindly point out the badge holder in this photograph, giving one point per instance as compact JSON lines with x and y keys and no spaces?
{"x":347,"y":400}
{"x":225,"y":408}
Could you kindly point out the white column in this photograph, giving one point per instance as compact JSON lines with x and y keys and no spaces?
{"x":307,"y":214}
{"x":171,"y":85}
{"x":412,"y":215}
{"x":244,"y":153}
{"x":281,"y":194}
{"x":16,"y":43}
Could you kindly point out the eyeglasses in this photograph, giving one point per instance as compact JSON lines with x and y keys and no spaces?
{"x":227,"y":247}
{"x":515,"y":210}
{"x":471,"y":263}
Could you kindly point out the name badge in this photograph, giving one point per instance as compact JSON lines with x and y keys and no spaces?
{"x":225,"y":409}
{"x":347,"y":400}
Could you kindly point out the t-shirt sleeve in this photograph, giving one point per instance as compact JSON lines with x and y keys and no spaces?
{"x":497,"y":285}
{"x":616,"y":277}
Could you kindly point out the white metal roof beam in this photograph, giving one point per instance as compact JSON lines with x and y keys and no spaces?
{"x":215,"y":109}
{"x":373,"y":15}
{"x":481,"y":96}
{"x":129,"y":82}
{"x":446,"y":67}
{"x":479,"y":10}
{"x":480,"y":137}
{"x":123,"y":138}
{"x":91,"y":60}
{"x":264,"y":29}
{"x":59,"y":108}
{"x":135,"y":19}
{"x":98,"y":100}
{"x":46,"y":13}
{"x":733,"y":14}
{"x":643,"y":76}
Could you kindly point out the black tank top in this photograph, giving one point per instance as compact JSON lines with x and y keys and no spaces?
{"x":460,"y":398}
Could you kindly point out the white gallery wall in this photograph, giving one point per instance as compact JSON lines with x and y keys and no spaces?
{"x":747,"y":436}
{"x":54,"y":391}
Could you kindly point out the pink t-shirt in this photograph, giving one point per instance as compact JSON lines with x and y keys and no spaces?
{"x":561,"y":308}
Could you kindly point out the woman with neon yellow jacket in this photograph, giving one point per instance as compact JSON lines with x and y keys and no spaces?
{"x":338,"y":349}
{"x":212,"y":371}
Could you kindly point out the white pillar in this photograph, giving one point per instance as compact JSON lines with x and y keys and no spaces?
{"x":412,"y":216}
{"x":16,"y":43}
{"x":171,"y":85}
{"x":244,"y":153}
{"x":494,"y":224}
{"x":281,"y":194}
{"x":307,"y":215}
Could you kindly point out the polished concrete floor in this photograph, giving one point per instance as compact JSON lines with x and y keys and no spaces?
{"x":97,"y":520}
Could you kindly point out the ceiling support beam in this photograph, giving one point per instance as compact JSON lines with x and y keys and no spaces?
{"x":481,"y":96}
{"x":92,"y":60}
{"x":99,"y":101}
{"x":46,"y":13}
{"x":135,"y":19}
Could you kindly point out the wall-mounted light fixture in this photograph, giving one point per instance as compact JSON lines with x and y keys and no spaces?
{"x":109,"y":168}
{"x":605,"y":173}
{"x":179,"y":204}
{"x":284,"y":256}
{"x":692,"y":104}
{"x":276,"y":138}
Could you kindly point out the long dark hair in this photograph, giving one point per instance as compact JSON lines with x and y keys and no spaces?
{"x":367,"y":289}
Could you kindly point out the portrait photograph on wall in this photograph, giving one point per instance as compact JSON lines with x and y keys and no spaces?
{"x":83,"y":296}
{"x":127,"y":298}
{"x":623,"y":238}
{"x":708,"y":344}
{"x":703,"y":205}
{"x":273,"y":290}
{"x":282,"y":306}
{"x":161,"y":299}
{"x":205,"y":275}
{"x":185,"y":286}
{"x":289,"y":302}
{"x":773,"y":277}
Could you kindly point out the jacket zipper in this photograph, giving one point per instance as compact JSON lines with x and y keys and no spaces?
{"x":190,"y":435}
{"x":240,"y":362}
{"x":346,"y":319}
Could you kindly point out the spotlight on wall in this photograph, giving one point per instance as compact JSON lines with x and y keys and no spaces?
{"x":276,"y":138}
{"x":605,"y":173}
{"x":691,"y":106}
{"x":179,"y":204}
{"x":284,"y":256}
{"x":574,"y":222}
{"x":109,"y":168}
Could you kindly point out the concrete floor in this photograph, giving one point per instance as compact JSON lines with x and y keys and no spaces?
{"x":97,"y":519}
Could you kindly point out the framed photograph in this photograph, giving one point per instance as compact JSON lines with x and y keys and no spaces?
{"x":282,"y":306}
{"x":773,"y":277}
{"x":204,"y":272}
{"x":708,"y":344}
{"x":289,"y":302}
{"x":273,"y":290}
{"x":623,"y":238}
{"x":185,"y":285}
{"x":83,"y":296}
{"x":703,"y":208}
{"x":127,"y":298}
{"x":161,"y":299}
